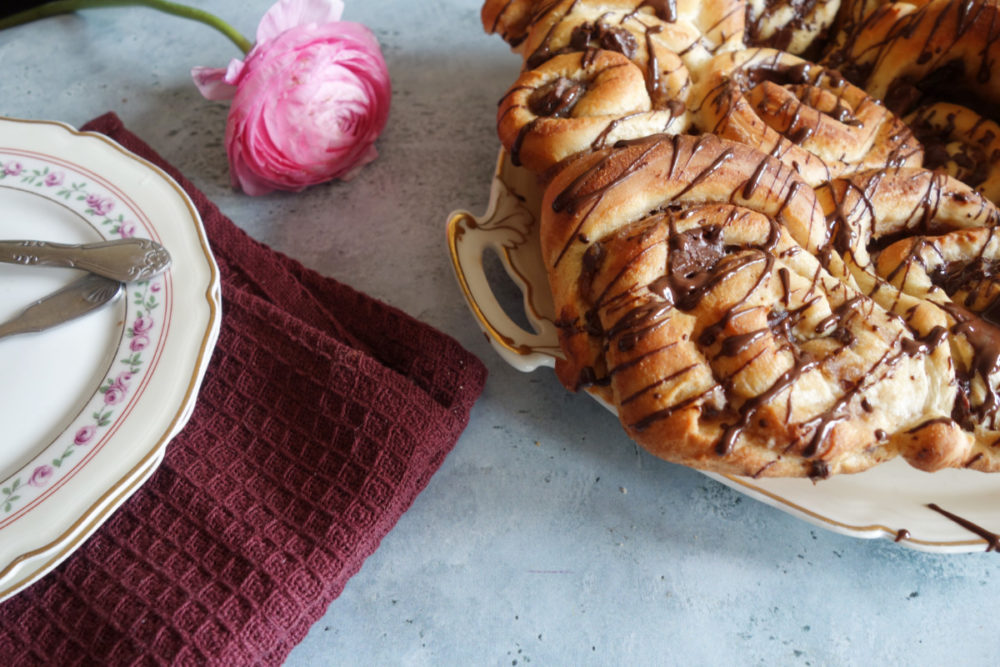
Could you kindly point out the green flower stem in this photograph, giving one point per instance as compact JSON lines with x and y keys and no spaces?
{"x":68,"y":6}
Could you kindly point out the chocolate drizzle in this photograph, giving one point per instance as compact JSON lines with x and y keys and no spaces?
{"x":977,"y":278}
{"x":557,"y":98}
{"x":694,"y":255}
{"x":731,"y":432}
{"x":984,"y":339}
{"x":598,"y":35}
{"x":992,"y":539}
{"x":781,"y":38}
{"x":665,"y":10}
{"x":924,"y":344}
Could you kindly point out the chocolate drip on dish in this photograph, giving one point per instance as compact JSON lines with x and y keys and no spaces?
{"x":992,"y":539}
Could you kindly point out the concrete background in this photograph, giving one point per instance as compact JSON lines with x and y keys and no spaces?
{"x":547,"y":537}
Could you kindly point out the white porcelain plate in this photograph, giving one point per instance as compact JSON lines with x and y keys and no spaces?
{"x":891,"y":501}
{"x":88,"y":407}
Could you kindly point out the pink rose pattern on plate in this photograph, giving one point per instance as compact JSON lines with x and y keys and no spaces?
{"x":141,"y":332}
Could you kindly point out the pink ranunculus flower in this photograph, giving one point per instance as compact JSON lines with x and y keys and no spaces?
{"x":54,"y":178}
{"x":307,"y":103}
{"x":84,"y":435}
{"x":40,"y":476}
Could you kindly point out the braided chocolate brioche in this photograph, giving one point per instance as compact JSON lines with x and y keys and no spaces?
{"x":724,"y":344}
{"x":770,"y":266}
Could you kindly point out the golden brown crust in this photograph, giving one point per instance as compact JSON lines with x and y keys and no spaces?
{"x":809,"y":117}
{"x":794,"y":27}
{"x":691,"y":30}
{"x":576,"y":102}
{"x":961,"y":143}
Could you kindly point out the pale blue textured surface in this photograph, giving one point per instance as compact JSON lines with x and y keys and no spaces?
{"x":547,"y":537}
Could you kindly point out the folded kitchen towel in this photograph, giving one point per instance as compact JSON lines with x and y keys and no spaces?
{"x":322,"y":415}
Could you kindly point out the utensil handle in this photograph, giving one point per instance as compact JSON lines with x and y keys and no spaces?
{"x":31,"y":253}
{"x":76,"y":299}
{"x":123,"y":259}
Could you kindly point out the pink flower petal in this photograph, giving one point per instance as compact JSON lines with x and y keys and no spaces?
{"x":211,"y":83}
{"x":234,"y":71}
{"x":287,"y":14}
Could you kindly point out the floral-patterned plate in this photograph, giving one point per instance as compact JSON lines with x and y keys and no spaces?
{"x":88,"y":407}
{"x":947,"y":512}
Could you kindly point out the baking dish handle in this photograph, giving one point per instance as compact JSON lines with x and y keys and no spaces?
{"x":508,"y":228}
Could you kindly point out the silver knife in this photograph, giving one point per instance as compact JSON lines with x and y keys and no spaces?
{"x":76,"y":299}
{"x":124,"y":260}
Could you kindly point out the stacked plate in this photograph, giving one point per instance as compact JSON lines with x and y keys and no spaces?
{"x":88,"y":407}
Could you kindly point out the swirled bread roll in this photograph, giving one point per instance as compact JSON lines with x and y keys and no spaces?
{"x":510,"y":18}
{"x":868,"y":209}
{"x":639,"y":36}
{"x":725,"y":345}
{"x":961,"y":143}
{"x":807,"y":116}
{"x":923,"y":245}
{"x":905,"y":54}
{"x":580,"y":101}
{"x":796,"y":26}
{"x":957,"y":272}
{"x":689,"y":30}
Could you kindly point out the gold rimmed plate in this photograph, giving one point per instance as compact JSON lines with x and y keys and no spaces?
{"x":89,"y":407}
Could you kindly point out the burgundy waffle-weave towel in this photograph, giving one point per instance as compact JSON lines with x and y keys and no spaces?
{"x":322,"y":415}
